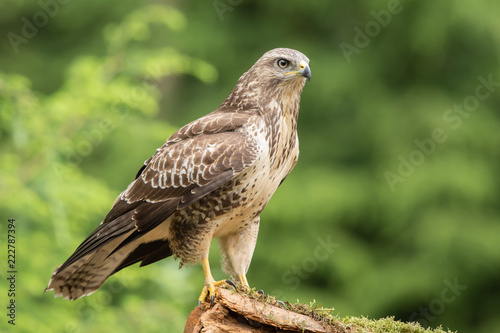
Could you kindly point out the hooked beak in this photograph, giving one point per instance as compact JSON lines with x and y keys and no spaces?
{"x":304,"y":71}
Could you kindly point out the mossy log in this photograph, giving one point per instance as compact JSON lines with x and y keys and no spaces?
{"x":247,"y":311}
{"x":234,"y":312}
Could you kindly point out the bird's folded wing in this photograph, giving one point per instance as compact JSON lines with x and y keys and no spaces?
{"x":199,"y":158}
{"x":185,"y":171}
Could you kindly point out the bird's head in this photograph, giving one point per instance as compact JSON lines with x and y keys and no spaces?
{"x":282,"y":66}
{"x":279,"y":72}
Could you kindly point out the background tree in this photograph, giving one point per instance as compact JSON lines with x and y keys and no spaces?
{"x":393,"y":208}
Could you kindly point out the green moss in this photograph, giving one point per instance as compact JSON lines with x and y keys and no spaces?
{"x":387,"y":325}
{"x":346,"y":324}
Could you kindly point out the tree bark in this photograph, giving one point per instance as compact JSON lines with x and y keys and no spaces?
{"x":233,"y":312}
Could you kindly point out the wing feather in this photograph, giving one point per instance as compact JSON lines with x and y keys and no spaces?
{"x":194,"y":161}
{"x":202,"y":164}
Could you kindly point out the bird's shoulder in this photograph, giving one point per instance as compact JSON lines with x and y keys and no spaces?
{"x":215,"y":122}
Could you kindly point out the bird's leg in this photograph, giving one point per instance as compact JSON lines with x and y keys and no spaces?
{"x":243,"y":280}
{"x":237,"y":249}
{"x":210,"y":283}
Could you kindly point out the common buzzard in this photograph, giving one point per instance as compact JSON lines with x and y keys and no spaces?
{"x":211,"y":179}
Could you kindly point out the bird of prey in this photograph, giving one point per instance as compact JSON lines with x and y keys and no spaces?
{"x":211,"y":179}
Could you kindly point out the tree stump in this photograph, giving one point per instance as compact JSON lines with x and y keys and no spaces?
{"x":235,"y":312}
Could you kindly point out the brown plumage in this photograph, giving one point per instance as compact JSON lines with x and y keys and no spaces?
{"x":211,"y":179}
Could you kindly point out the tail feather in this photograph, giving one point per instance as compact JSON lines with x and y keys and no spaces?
{"x":86,"y":274}
{"x":147,"y":253}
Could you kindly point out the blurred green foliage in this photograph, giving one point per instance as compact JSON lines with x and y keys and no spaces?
{"x":393,"y":208}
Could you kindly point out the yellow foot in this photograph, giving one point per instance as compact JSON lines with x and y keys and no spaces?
{"x":209,"y":290}
{"x":243,"y":280}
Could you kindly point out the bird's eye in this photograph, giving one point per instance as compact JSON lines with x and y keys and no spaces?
{"x":282,"y":63}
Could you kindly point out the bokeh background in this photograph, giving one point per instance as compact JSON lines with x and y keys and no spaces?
{"x":392,"y":210}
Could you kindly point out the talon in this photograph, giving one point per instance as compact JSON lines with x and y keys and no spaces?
{"x":203,"y":295}
{"x":261,"y":292}
{"x":209,"y":290}
{"x":210,"y":284}
{"x":232,"y":284}
{"x":281,"y":303}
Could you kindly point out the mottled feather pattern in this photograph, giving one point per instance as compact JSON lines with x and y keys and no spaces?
{"x":212,"y":178}
{"x":212,"y":123}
